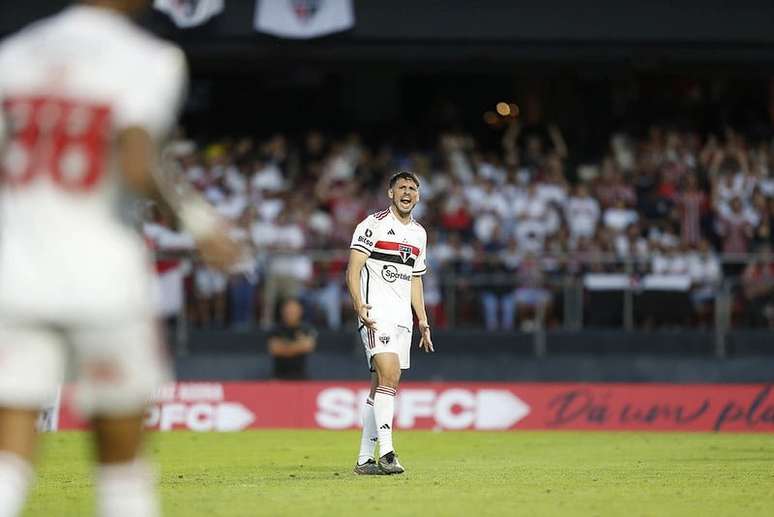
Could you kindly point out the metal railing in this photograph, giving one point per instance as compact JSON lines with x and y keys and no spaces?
{"x":461,"y":304}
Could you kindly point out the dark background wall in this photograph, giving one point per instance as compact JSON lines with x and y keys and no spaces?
{"x":584,"y":356}
{"x":460,"y":29}
{"x":396,"y":73}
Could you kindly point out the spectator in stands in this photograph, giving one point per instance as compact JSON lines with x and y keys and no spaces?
{"x":531,"y":295}
{"x":289,"y":268}
{"x":735,"y":227}
{"x":291,"y":341}
{"x":327,"y":291}
{"x":705,"y":270}
{"x":618,"y":217}
{"x":498,"y":299}
{"x":582,"y":213}
{"x":758,"y":288}
{"x":243,"y":276}
{"x":692,"y":203}
{"x":668,"y":190}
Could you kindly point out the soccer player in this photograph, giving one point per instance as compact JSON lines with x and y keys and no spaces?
{"x":384,"y":276}
{"x":85,"y":98}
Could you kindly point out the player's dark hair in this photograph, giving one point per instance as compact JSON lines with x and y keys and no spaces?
{"x":406,"y":175}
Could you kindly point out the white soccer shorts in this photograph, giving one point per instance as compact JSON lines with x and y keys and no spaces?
{"x":388,"y":337}
{"x":117,"y":368}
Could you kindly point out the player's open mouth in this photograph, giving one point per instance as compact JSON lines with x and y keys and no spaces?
{"x":405,"y":202}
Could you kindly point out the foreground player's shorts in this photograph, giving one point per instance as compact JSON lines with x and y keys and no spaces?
{"x":388,"y":337}
{"x":117,"y":367}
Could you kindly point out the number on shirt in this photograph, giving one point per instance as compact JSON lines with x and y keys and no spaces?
{"x":60,"y":139}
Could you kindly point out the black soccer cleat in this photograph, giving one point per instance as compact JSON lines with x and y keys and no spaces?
{"x":390,"y":465}
{"x":369,"y":468}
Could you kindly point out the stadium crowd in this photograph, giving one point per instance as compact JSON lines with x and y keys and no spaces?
{"x":507,"y":224}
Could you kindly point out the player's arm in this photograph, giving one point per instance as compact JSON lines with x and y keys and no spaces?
{"x":418,"y":304}
{"x":357,"y":260}
{"x":137,"y":161}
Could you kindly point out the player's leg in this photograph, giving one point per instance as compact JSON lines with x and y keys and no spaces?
{"x":366,"y":463}
{"x":119,"y":370}
{"x":125,"y":482}
{"x":17,"y":448}
{"x":30,"y":373}
{"x":387,"y":366}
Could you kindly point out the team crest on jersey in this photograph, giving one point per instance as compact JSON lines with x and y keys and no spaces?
{"x":405,"y":252}
{"x":305,"y":9}
{"x":189,"y":13}
{"x":384,"y":339}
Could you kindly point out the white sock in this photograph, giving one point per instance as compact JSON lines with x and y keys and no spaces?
{"x":369,"y":437}
{"x":384,"y":409}
{"x":15,"y":478}
{"x":126,"y":490}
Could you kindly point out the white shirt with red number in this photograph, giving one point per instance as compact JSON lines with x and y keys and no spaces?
{"x":68,"y":85}
{"x":396,"y":252}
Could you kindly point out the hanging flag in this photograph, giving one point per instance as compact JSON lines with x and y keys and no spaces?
{"x":189,"y":13}
{"x":303,"y":19}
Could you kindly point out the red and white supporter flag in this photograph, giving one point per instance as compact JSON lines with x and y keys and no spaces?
{"x":189,"y":13}
{"x":303,"y":19}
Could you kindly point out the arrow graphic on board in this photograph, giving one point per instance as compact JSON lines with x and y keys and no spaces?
{"x":499,"y":409}
{"x":230,"y":416}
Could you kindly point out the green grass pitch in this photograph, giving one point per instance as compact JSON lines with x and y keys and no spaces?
{"x":308,"y":473}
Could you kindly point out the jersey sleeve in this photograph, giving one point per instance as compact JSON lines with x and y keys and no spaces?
{"x":420,"y":268}
{"x":363,"y":239}
{"x":154,"y":104}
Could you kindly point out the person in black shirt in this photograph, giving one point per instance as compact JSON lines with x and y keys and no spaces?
{"x":290,"y":342}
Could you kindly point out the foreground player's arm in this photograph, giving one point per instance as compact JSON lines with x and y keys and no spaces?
{"x":136,"y":158}
{"x":144,"y":114}
{"x":418,"y":304}
{"x":357,"y":260}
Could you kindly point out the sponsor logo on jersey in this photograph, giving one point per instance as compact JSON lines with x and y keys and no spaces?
{"x":390,"y":274}
{"x":365,"y":240}
{"x":405,"y":252}
{"x":384,"y":339}
{"x":391,"y":232}
{"x":368,"y":233}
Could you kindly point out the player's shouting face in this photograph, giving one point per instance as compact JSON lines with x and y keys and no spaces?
{"x":404,"y":194}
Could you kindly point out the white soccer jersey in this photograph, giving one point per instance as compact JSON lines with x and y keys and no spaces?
{"x":396,"y":252}
{"x":68,"y":85}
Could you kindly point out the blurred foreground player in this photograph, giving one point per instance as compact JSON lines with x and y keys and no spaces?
{"x":85,"y":98}
{"x":384,"y":276}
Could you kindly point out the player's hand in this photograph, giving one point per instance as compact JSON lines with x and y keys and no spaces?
{"x":219,"y":251}
{"x":425,"y":342}
{"x":362,"y":313}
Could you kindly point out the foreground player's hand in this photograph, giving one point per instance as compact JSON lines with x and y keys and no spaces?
{"x":425,"y":342}
{"x":219,"y":251}
{"x":363,"y":314}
